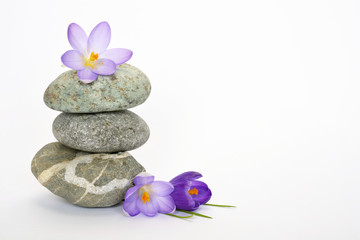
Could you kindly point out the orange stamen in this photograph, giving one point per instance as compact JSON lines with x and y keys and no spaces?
{"x":145,"y":197}
{"x":93,"y":56}
{"x":193,"y":191}
{"x":91,"y":61}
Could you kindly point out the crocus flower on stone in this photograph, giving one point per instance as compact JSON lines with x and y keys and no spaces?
{"x":90,"y":56}
{"x":148,"y":197}
{"x":189,"y":193}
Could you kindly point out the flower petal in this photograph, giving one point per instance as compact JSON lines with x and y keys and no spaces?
{"x":104,"y":67}
{"x":143,"y":180}
{"x":118,"y":55}
{"x":182,"y":198}
{"x":149,"y":209}
{"x":161,"y":188}
{"x":99,"y":38}
{"x":166,"y":204}
{"x":204,"y":193}
{"x":130,"y":206}
{"x":73,"y":59}
{"x":77,"y":37}
{"x":86,"y":75}
{"x":185,"y":176}
{"x":131,"y":191}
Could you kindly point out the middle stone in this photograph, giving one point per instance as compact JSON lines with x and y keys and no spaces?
{"x":101,"y":132}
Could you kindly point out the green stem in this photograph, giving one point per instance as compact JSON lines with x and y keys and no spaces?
{"x":217,"y":205}
{"x":194,"y":213}
{"x":172,"y":215}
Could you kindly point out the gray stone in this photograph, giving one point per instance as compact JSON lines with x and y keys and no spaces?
{"x":85,"y":179}
{"x":126,"y":88}
{"x":101,"y":132}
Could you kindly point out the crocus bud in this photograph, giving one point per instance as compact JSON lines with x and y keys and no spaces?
{"x":189,"y":193}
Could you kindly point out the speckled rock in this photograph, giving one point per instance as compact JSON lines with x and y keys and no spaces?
{"x":126,"y":88}
{"x":101,"y":132}
{"x":85,"y":179}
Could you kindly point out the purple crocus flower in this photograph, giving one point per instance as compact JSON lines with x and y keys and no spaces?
{"x":90,"y":56}
{"x":148,"y":197}
{"x":189,"y":193}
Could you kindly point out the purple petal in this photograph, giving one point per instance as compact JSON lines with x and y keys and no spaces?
{"x":77,"y":38}
{"x":149,"y":209}
{"x":131,"y":191}
{"x":204,"y":193}
{"x":143,"y":180}
{"x":117,"y":55}
{"x":161,"y":188}
{"x":166,"y":204}
{"x":104,"y":67}
{"x":73,"y":59}
{"x":86,"y":75}
{"x":130,"y":206}
{"x":99,"y":38}
{"x":185,"y":176}
{"x":182,"y":198}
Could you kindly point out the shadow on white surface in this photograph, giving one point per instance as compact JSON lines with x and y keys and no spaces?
{"x":52,"y":203}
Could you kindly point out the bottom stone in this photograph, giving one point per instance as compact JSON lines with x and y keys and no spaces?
{"x":85,"y":179}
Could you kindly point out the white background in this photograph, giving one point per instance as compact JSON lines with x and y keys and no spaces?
{"x":261,"y":97}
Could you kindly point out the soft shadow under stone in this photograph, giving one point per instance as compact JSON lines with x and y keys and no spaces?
{"x":85,"y":179}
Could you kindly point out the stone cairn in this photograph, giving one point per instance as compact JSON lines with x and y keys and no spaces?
{"x":90,"y":165}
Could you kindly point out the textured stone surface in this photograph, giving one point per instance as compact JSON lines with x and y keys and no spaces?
{"x":85,"y":179}
{"x":126,"y":88}
{"x":101,"y":132}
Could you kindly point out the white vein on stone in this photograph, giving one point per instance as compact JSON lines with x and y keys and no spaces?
{"x":86,"y":191}
{"x":45,"y":175}
{"x":70,"y":175}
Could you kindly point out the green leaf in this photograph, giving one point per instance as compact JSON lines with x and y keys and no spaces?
{"x":217,"y":205}
{"x":173,"y":215}
{"x":194,"y":213}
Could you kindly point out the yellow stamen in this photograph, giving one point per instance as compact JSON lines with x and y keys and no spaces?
{"x":193,"y":191}
{"x":91,"y":61}
{"x":145,"y":197}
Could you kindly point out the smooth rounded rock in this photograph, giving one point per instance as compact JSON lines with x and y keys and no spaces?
{"x":126,"y":88}
{"x":101,"y":132}
{"x":85,"y":179}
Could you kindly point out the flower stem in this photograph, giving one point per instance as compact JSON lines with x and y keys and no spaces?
{"x":173,"y":215}
{"x":194,"y":213}
{"x":217,"y":205}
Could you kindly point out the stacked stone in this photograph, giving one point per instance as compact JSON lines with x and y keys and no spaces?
{"x":90,"y":165}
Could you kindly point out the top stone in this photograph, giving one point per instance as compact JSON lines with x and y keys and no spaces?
{"x":126,"y":88}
